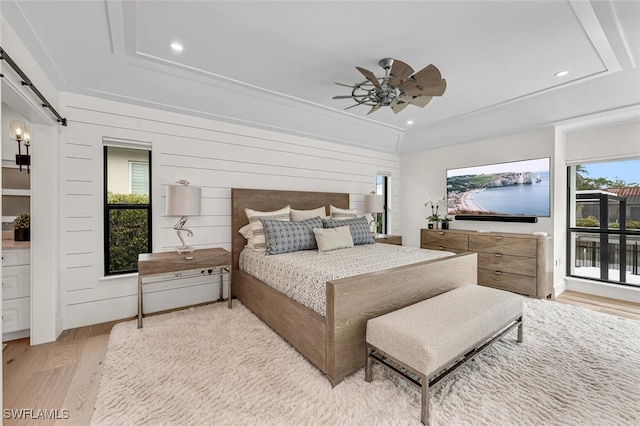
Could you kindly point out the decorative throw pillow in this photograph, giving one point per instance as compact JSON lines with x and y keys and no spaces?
{"x":287,"y":237}
{"x":245,"y":231}
{"x":298,"y":215}
{"x":341,"y":214}
{"x":256,"y":226}
{"x":333,"y":238}
{"x":359,"y":228}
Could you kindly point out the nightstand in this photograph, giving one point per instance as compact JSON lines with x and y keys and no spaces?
{"x":210,"y":261}
{"x":389,"y":239}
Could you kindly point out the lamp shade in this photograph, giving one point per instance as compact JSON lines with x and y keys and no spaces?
{"x":373,"y":203}
{"x":183,"y":200}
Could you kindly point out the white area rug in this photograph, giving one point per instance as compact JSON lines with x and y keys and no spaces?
{"x":212,"y":365}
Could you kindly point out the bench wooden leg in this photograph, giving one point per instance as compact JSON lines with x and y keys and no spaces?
{"x":424,"y":410}
{"x":367,"y":365}
{"x":520,"y":332}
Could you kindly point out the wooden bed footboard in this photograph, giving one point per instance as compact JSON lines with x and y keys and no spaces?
{"x":352,"y":301}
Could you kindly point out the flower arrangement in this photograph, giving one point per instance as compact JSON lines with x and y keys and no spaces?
{"x":434,"y":205}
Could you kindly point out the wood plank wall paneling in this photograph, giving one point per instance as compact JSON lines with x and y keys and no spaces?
{"x":215,"y":156}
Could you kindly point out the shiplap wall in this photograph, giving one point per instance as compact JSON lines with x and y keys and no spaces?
{"x":213,"y":155}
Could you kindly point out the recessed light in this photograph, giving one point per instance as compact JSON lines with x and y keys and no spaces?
{"x":561,"y":73}
{"x":177,"y":47}
{"x":409,"y":122}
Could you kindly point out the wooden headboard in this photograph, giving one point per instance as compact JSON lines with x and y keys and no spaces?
{"x":269,"y":200}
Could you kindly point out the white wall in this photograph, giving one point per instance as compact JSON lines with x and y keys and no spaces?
{"x":212,"y":155}
{"x":424,"y":176}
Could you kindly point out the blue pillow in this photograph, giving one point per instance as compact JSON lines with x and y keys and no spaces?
{"x":359,"y":227}
{"x":286,"y":237}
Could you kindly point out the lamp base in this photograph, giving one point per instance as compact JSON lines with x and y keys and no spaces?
{"x":185,"y":249}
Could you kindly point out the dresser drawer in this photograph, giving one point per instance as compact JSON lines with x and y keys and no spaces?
{"x":505,"y":281}
{"x":16,"y":257}
{"x":16,"y":282}
{"x":442,"y":248}
{"x":507,"y":263}
{"x":16,"y":314}
{"x":503,"y":245}
{"x":443,"y":240}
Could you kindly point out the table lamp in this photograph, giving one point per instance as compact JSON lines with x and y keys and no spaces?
{"x":373,"y":204}
{"x":184,"y":201}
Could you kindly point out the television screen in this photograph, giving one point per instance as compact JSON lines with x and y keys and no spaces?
{"x":517,"y":188}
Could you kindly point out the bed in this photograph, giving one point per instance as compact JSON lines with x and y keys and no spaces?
{"x":335,"y":342}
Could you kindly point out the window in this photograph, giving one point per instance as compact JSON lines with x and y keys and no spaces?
{"x":381,"y":189}
{"x":127,"y":207}
{"x":138,"y":177}
{"x":604,"y":221}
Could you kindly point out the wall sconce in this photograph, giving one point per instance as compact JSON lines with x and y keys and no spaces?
{"x":374,"y":204}
{"x":20,"y":133}
{"x":183,"y":200}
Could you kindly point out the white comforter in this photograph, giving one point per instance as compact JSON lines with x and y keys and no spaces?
{"x":302,"y":275}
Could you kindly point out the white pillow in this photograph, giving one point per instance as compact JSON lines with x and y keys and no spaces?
{"x":341,"y":214}
{"x":333,"y":238}
{"x":246,"y":232}
{"x":257,"y":230}
{"x":300,"y":215}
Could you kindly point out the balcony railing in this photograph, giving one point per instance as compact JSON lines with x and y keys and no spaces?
{"x":589,"y":262}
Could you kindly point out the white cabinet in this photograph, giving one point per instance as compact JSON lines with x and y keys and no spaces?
{"x":16,"y":290}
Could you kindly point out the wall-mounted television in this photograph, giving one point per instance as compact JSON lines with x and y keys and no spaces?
{"x":511,"y":190}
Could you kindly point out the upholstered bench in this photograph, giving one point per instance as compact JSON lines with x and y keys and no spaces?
{"x":432,"y":338}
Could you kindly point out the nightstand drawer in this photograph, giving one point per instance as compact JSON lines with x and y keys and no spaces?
{"x":511,"y":282}
{"x":503,"y":245}
{"x":507,"y":263}
{"x":389,"y":239}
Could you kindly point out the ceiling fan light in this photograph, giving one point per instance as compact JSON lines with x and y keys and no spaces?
{"x":177,"y":47}
{"x":561,"y":73}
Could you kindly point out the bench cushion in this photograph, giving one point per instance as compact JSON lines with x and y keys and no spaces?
{"x":427,"y":335}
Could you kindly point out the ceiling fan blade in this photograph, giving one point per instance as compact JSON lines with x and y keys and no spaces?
{"x":374,"y":108}
{"x":349,"y":96}
{"x":399,"y":71}
{"x":420,"y":101}
{"x":346,"y":85}
{"x":416,"y":89}
{"x":398,"y":105}
{"x":370,"y":76}
{"x":428,"y":75}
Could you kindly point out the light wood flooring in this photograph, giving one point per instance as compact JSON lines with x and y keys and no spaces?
{"x":65,"y":374}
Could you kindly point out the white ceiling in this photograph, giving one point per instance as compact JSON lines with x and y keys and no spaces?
{"x":273,"y":64}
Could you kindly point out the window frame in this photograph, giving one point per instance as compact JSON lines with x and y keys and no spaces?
{"x":604,"y":232}
{"x":107,"y":208}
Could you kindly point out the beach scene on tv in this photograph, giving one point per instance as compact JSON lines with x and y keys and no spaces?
{"x":519,"y":188}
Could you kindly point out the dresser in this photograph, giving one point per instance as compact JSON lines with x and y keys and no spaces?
{"x":16,"y":292}
{"x":521,"y":263}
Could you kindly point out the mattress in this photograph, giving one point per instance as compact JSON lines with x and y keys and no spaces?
{"x":302,"y":275}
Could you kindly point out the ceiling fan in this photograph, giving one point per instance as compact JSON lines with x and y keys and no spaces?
{"x":398,"y":88}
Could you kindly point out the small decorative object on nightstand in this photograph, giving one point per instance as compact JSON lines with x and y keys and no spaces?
{"x":389,"y":239}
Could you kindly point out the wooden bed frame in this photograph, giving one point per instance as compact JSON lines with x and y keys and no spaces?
{"x":336,"y":344}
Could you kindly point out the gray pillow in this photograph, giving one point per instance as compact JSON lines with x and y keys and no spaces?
{"x":286,"y":237}
{"x":359,"y":228}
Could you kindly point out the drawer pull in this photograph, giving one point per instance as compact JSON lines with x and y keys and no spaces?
{"x":441,"y":233}
{"x":498,"y":272}
{"x":498,"y":238}
{"x":498,"y":254}
{"x":441,"y":247}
